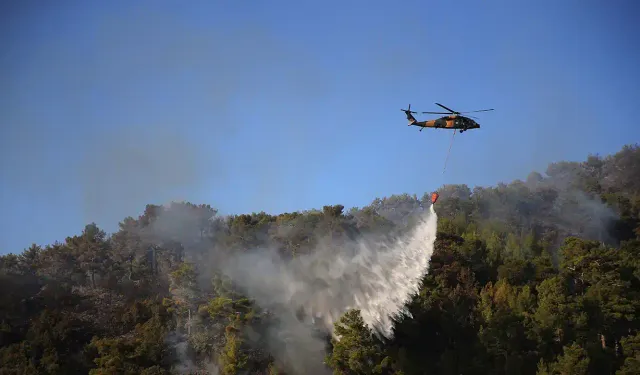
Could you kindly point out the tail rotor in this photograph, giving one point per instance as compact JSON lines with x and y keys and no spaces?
{"x":408,"y":111}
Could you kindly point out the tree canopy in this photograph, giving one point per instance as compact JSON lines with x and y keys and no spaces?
{"x":540,"y":276}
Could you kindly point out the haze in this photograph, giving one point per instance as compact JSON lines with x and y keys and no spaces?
{"x":105,"y":108}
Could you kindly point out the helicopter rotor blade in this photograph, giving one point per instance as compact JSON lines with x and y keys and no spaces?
{"x":438,"y":113}
{"x":448,"y":109}
{"x":482,"y":110}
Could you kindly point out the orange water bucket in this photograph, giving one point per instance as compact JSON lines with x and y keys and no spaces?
{"x":434,"y":197}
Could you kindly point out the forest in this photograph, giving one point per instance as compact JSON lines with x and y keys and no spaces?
{"x":537,"y":276}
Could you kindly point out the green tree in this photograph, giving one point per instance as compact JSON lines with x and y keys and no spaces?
{"x":572,"y":361}
{"x":356,"y":350}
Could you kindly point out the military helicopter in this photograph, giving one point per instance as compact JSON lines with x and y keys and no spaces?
{"x":453,"y":121}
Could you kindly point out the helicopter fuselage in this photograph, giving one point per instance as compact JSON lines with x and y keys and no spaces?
{"x":451,"y":121}
{"x":460,"y":123}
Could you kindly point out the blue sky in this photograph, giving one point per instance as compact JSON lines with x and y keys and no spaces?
{"x":284,"y":106}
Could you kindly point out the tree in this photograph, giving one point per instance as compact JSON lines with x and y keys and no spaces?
{"x":528,"y":277}
{"x":573,"y":360}
{"x":356,"y":350}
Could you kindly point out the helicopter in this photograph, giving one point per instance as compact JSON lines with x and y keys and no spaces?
{"x":453,"y":120}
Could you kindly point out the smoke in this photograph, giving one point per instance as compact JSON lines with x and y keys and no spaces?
{"x":574,"y":211}
{"x":133,"y":166}
{"x":309,"y":293}
{"x":373,"y":276}
{"x":180,"y":345}
{"x":376,"y":277}
{"x":584,"y":216}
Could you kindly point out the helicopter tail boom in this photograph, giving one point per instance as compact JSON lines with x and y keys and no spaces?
{"x":412,"y":120}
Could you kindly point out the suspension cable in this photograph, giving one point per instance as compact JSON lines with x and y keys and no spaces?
{"x":449,"y":152}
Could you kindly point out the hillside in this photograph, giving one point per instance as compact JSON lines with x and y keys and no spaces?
{"x":532,"y":277}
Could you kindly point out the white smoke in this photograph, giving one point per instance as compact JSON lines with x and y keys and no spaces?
{"x":375,"y":277}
